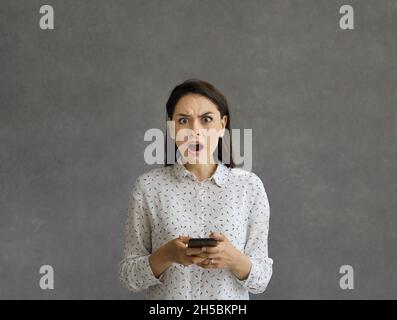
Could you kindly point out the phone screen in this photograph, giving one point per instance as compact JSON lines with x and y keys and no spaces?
{"x":202,"y":242}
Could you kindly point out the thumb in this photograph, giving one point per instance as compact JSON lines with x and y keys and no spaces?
{"x":184,"y":239}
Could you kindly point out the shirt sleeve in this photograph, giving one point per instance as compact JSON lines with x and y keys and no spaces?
{"x":135,"y":272}
{"x":256,"y":247}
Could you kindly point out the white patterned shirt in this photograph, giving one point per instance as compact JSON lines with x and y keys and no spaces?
{"x":170,"y":201}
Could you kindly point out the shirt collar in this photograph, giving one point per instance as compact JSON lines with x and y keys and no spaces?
{"x":219,"y":176}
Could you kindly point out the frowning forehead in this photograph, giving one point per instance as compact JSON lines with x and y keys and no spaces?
{"x":195,"y":105}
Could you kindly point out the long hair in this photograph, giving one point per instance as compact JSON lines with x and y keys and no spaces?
{"x":195,"y":86}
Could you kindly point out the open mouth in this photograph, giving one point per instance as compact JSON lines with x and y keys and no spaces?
{"x":195,"y":147}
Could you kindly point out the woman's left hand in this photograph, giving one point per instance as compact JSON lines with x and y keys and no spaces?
{"x":223,"y":255}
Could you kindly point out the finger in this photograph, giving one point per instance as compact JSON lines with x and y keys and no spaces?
{"x":202,"y":264}
{"x":184,"y":239}
{"x":207,"y":256}
{"x":215,"y":260}
{"x":213,"y":256}
{"x":193,"y":251}
{"x":211,"y":249}
{"x":210,"y":255}
{"x":197,"y":260}
{"x":204,"y":261}
{"x":206,"y":265}
{"x":218,"y":236}
{"x":202,"y":255}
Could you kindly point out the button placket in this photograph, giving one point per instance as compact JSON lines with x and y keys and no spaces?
{"x":202,"y":226}
{"x":202,"y":212}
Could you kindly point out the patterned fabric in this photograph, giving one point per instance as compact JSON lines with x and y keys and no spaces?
{"x":170,"y":201}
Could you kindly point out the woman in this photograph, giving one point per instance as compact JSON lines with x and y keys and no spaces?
{"x":196,"y":197}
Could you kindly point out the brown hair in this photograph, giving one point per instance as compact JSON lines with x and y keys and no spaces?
{"x":195,"y":86}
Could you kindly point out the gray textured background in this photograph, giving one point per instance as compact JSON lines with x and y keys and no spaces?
{"x":76,"y":101}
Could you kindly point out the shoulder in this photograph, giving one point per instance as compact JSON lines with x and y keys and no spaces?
{"x":253,"y":187}
{"x":247,"y":182}
{"x":240,"y":175}
{"x":152,"y":178}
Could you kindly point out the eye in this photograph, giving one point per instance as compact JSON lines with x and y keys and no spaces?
{"x":182,"y":120}
{"x":207,"y":119}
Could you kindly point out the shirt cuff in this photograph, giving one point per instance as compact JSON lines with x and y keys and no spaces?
{"x":251,"y":279}
{"x":145,"y":271}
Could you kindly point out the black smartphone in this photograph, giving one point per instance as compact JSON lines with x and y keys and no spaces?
{"x":202,"y":242}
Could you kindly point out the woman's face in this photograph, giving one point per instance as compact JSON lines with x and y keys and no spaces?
{"x":198,"y":126}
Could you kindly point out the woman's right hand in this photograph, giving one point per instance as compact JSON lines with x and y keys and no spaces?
{"x":176,"y":251}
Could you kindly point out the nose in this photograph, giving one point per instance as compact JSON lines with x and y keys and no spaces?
{"x":196,"y":127}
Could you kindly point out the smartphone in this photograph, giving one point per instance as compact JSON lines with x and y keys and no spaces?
{"x":202,"y":242}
